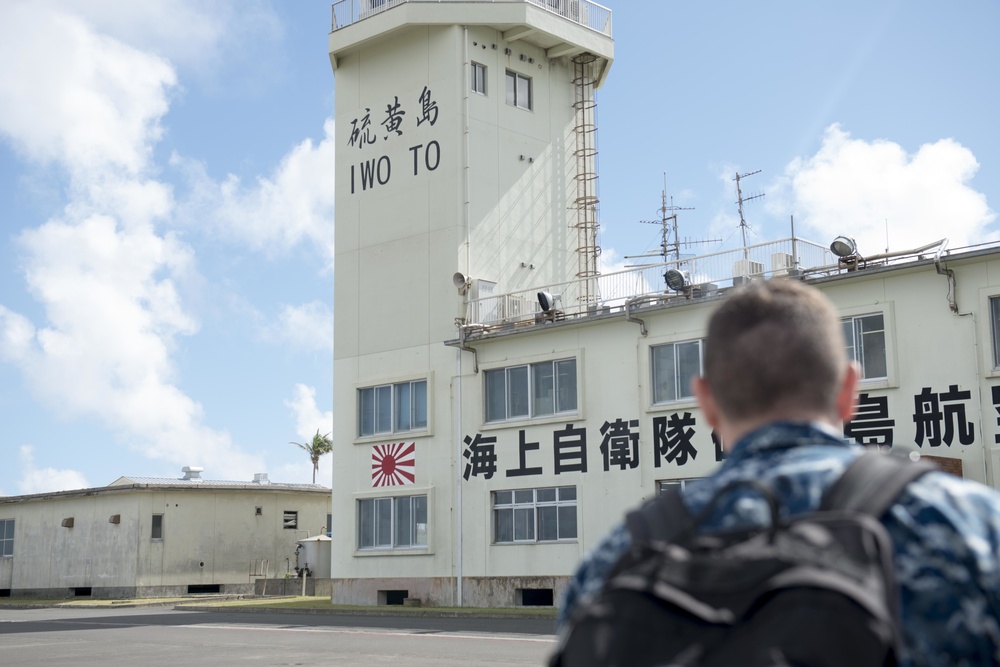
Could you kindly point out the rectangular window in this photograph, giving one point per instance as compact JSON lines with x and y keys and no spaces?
{"x":532,"y":390}
{"x":865,"y":336}
{"x":479,"y":78}
{"x":534,"y":515}
{"x":518,"y":90}
{"x":392,"y":523}
{"x":290,"y":519}
{"x":673,"y":367}
{"x":156,"y":531}
{"x":6,"y":537}
{"x":995,"y":329}
{"x":662,"y":486}
{"x":392,"y":408}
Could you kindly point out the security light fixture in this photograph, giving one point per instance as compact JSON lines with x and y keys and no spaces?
{"x":677,"y":280}
{"x":844,"y":246}
{"x":548,"y":301}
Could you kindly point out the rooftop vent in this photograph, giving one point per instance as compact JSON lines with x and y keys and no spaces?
{"x":261,"y":478}
{"x":192,"y":473}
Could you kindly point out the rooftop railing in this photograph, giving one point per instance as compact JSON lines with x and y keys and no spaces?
{"x":588,"y":14}
{"x":702,"y":276}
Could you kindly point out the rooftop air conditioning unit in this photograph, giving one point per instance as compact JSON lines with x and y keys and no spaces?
{"x":517,"y":307}
{"x":488,"y":310}
{"x":781,"y":264}
{"x":745,"y":270}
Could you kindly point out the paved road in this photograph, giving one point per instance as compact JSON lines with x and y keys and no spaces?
{"x":169,"y":638}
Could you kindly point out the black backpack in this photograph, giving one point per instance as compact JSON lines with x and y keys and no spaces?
{"x":816,"y":589}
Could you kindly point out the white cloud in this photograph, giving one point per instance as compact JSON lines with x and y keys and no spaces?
{"x":306,"y":327}
{"x":854,"y":187}
{"x":87,"y":101}
{"x":44,"y":480}
{"x":102,"y":274}
{"x":206,"y":39}
{"x":301,"y":471}
{"x":292,"y":206}
{"x":112,"y":315}
{"x":308,"y":417}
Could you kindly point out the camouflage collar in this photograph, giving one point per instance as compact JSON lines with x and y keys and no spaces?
{"x":783,"y":435}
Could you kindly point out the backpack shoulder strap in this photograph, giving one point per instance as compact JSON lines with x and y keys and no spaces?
{"x":662,"y":519}
{"x":872,"y":483}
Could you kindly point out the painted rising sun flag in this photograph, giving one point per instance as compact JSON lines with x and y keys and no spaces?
{"x":393,"y":464}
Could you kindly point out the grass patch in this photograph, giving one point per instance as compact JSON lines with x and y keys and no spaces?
{"x":116,"y":602}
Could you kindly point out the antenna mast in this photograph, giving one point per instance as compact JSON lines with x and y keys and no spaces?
{"x":668,"y":226}
{"x":739,"y":200}
{"x":665,"y":219}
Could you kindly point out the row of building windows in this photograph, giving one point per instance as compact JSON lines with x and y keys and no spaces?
{"x":289,"y":521}
{"x":392,"y":408}
{"x":519,"y":516}
{"x":531,"y":390}
{"x":518,"y":86}
{"x":392,"y":523}
{"x":549,"y":388}
{"x":534,"y":515}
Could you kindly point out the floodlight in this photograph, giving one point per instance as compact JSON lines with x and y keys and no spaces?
{"x":548,"y":301}
{"x":461,"y":282}
{"x":677,"y":280}
{"x":844,"y":246}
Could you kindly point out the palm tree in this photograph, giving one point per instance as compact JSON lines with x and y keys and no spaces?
{"x":320,"y":445}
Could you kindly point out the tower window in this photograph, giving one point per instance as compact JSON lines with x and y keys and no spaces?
{"x":518,"y":90}
{"x":479,"y":78}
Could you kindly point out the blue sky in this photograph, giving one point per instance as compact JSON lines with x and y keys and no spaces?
{"x":166,"y":195}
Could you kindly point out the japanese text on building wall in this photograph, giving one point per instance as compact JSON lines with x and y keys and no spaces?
{"x":388,"y":124}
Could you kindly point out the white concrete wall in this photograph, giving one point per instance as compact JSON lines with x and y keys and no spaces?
{"x":400,"y":238}
{"x":612,"y":367}
{"x":209,"y":537}
{"x":928,"y":346}
{"x":93,"y":552}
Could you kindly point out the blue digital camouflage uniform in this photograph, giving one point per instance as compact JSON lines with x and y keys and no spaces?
{"x":945,"y":533}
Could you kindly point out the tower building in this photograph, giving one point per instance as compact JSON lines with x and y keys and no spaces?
{"x":465,"y":169}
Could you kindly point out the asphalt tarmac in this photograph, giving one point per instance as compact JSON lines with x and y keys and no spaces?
{"x":163,"y":637}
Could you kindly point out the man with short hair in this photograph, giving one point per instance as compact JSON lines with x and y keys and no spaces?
{"x":777,"y":387}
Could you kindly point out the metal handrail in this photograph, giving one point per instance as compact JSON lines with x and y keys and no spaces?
{"x":584,"y":12}
{"x":645,"y":285}
{"x":706,"y":275}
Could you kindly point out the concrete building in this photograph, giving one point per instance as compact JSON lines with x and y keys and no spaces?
{"x":463,"y":129}
{"x":498,"y":403}
{"x":147,"y":537}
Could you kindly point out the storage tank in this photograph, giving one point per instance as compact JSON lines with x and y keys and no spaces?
{"x":314,"y":554}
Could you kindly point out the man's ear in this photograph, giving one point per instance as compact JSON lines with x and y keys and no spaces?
{"x":706,"y":401}
{"x":847,"y":397}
